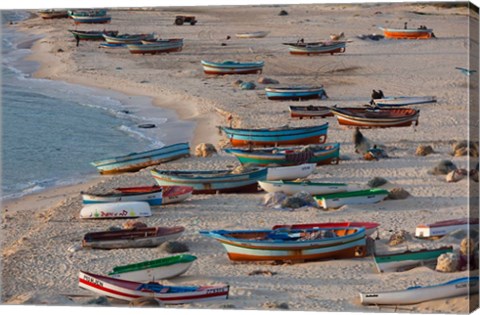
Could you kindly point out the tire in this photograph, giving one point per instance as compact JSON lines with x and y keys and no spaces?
{"x":179,"y":21}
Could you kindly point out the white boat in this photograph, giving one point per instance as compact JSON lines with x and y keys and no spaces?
{"x":163,"y":268}
{"x":418,"y":294}
{"x":290,"y":172}
{"x":170,"y":194}
{"x":357,"y":197}
{"x":403,"y":100}
{"x":116,"y":210}
{"x":441,"y":228}
{"x":293,"y":187}
{"x":258,"y":34}
{"x":154,"y":198}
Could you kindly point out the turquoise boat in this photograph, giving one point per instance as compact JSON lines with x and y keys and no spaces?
{"x":92,"y":19}
{"x":136,"y":161}
{"x":392,"y":262}
{"x":277,"y":136}
{"x":91,"y":12}
{"x":337,"y":200}
{"x":319,"y":154}
{"x":213,"y":181}
{"x":232,"y":67}
{"x":295,"y":92}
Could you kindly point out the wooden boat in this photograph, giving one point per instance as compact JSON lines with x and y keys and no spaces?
{"x":309,"y":111}
{"x":441,"y":228}
{"x":370,"y":227}
{"x":92,"y":35}
{"x":156,"y":47}
{"x":163,"y":268}
{"x":376,"y":118}
{"x":116,"y":210}
{"x":400,"y":261}
{"x":127,"y":38}
{"x":92,"y":19}
{"x":213,"y":181}
{"x":294,"y":187}
{"x":170,"y":194}
{"x":397,"y":101}
{"x":418,"y":294}
{"x":112,"y":46}
{"x":326,"y":47}
{"x":154,"y":198}
{"x":259,"y":34}
{"x":294,"y":92}
{"x":320,"y":154}
{"x":276,"y":136}
{"x":91,"y":12}
{"x":232,"y":67}
{"x":130,"y":291}
{"x":407,"y":33}
{"x":53,"y":14}
{"x":357,"y":197}
{"x":293,"y":245}
{"x":132,"y":238}
{"x":290,"y":172}
{"x":138,"y":160}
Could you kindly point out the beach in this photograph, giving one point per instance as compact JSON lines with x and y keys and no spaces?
{"x":39,"y":231}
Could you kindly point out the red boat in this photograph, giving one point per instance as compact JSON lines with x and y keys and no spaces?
{"x":370,"y":227}
{"x":171,"y":194}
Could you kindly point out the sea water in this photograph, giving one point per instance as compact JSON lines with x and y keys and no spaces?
{"x":52,"y":130}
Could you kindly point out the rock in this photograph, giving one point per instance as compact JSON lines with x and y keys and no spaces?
{"x":205,"y":150}
{"x":144,"y":301}
{"x":424,"y":150}
{"x":237,"y":83}
{"x":456,"y":175}
{"x":376,"y":182}
{"x":465,"y":147}
{"x":173,"y":247}
{"x":74,"y":248}
{"x":399,"y":238}
{"x":283,"y":12}
{"x":264,"y":80}
{"x":299,"y":200}
{"x":447,"y":262}
{"x":132,"y":224}
{"x":247,"y":86}
{"x":398,"y":193}
{"x":262,"y":272}
{"x":273,"y":199}
{"x":99,"y":301}
{"x":467,"y":246}
{"x":223,"y":44}
{"x":474,"y":175}
{"x":271,"y":305}
{"x":443,"y":168}
{"x":146,"y":126}
{"x":60,"y":50}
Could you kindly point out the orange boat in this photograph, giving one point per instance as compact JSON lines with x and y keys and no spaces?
{"x":407,"y":33}
{"x":376,"y":118}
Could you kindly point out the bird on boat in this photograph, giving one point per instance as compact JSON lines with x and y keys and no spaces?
{"x":377,"y":95}
{"x":466,"y":71}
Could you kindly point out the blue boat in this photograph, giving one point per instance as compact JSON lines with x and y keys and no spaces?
{"x":91,"y":12}
{"x":154,"y":197}
{"x":92,"y":19}
{"x":112,"y":46}
{"x":212,"y":181}
{"x":232,"y":67}
{"x":136,"y":161}
{"x":295,"y":92}
{"x":277,"y":136}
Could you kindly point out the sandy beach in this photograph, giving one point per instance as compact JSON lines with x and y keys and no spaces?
{"x":39,"y":230}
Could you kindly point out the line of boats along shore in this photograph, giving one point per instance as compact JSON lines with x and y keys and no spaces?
{"x":275,"y":160}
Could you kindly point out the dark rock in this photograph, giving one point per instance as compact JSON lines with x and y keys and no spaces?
{"x":147,"y":126}
{"x":456,"y":175}
{"x":247,"y":86}
{"x":99,"y":301}
{"x":443,"y":168}
{"x":283,"y":12}
{"x":173,"y":247}
{"x":223,"y":44}
{"x":424,"y":150}
{"x":376,"y":182}
{"x":399,"y":238}
{"x":465,"y":147}
{"x":398,"y":193}
{"x":264,"y":80}
{"x":59,"y":50}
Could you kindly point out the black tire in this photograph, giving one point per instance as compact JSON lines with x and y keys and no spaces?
{"x":179,"y":21}
{"x":193,"y":22}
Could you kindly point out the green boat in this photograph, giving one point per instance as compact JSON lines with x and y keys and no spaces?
{"x":163,"y":268}
{"x":92,"y":35}
{"x":409,"y":259}
{"x":337,"y":200}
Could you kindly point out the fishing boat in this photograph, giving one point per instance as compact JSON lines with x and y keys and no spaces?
{"x":407,"y":33}
{"x":292,"y":245}
{"x":130,"y":290}
{"x":232,"y":67}
{"x":401,"y":261}
{"x":132,"y":238}
{"x":92,"y":35}
{"x":321,"y":154}
{"x":397,"y":101}
{"x":276,"y":136}
{"x":258,"y":34}
{"x":357,"y":197}
{"x":441,"y":228}
{"x":418,"y":294}
{"x":294,"y":187}
{"x":90,"y":12}
{"x":290,"y":172}
{"x":116,"y":210}
{"x":213,"y":181}
{"x":317,"y":48}
{"x":157,"y":47}
{"x":92,"y":19}
{"x":294,"y":92}
{"x":146,"y":271}
{"x":138,"y":160}
{"x":154,"y":198}
{"x":111,"y":46}
{"x":370,"y":227}
{"x":310,"y":111}
{"x":53,"y":14}
{"x":376,"y":118}
{"x":170,"y":194}
{"x":127,"y":38}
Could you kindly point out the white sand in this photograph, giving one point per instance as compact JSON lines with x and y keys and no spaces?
{"x":39,"y":229}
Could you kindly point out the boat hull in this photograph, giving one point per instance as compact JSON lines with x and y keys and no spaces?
{"x":116,"y":210}
{"x":300,"y":93}
{"x":317,"y":49}
{"x":251,"y":35}
{"x":291,"y":188}
{"x":156,"y":48}
{"x":442,"y":228}
{"x":404,"y":101}
{"x":370,"y":227}
{"x":359,"y":197}
{"x":290,"y":172}
{"x":153,"y":198}
{"x":91,"y":19}
{"x":231,"y":67}
{"x":407,"y":33}
{"x":383,"y":118}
